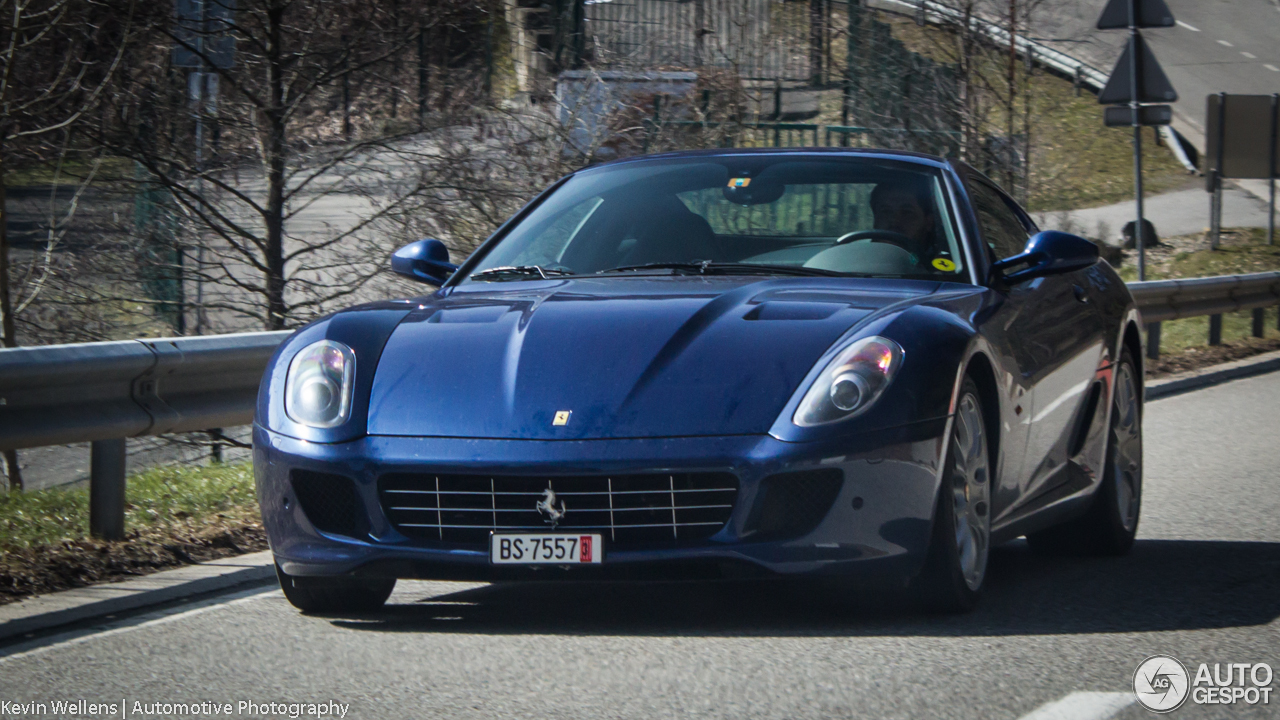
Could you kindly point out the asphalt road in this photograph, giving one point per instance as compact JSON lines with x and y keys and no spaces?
{"x":1217,"y":46}
{"x":1202,"y":584}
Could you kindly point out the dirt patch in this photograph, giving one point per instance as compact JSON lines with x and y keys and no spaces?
{"x":78,"y":563}
{"x":1196,"y":358}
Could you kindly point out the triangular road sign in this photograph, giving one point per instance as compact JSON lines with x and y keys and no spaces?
{"x":1153,"y":86}
{"x":1151,"y":13}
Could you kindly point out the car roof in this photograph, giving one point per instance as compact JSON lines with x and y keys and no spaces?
{"x":878,"y":153}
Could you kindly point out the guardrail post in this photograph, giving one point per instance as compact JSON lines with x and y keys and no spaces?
{"x":106,"y":489}
{"x":215,"y":452}
{"x":1259,"y":317}
{"x":1215,"y":329}
{"x":1153,"y":341}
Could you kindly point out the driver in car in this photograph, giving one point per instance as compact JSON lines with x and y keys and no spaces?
{"x":907,"y":209}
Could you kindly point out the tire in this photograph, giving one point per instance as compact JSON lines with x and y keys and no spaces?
{"x":960,"y":544}
{"x":1111,"y":522}
{"x":316,"y":595}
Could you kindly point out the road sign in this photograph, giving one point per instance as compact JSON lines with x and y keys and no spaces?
{"x":1122,"y":115}
{"x":1153,"y":85}
{"x":1137,"y":79}
{"x":1241,"y":142}
{"x":1150,"y":13}
{"x":1239,"y":136}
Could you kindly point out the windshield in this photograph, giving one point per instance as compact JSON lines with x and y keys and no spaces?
{"x":749,"y":213}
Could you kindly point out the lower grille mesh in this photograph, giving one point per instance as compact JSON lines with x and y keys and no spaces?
{"x":792,"y":504}
{"x":330,"y":502}
{"x":626,"y":509}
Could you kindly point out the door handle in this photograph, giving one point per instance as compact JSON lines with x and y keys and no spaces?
{"x":1080,"y":294}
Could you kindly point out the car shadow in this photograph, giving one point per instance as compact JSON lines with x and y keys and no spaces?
{"x":1160,"y":585}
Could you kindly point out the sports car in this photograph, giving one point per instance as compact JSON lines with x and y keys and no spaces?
{"x":857,"y":364}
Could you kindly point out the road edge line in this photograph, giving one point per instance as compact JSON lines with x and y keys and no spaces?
{"x":1083,"y":705}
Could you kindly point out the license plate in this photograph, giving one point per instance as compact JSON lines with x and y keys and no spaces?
{"x":545,"y":549}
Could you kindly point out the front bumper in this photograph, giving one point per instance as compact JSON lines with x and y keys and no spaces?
{"x":879,"y":522}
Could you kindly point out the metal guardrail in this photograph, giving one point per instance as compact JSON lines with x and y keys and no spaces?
{"x":105,"y":392}
{"x":58,"y":394}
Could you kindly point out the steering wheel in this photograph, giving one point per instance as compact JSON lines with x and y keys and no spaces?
{"x":884,"y":236}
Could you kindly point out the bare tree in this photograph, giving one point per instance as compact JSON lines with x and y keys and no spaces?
{"x":53,"y":71}
{"x":274,"y":213}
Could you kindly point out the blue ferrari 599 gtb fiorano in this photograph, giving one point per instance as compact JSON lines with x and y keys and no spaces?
{"x":801,"y":362}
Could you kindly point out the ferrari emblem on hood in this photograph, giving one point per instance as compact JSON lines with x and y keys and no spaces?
{"x":562,"y":417}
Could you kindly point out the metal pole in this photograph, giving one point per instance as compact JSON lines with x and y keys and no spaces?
{"x":1139,"y":237}
{"x":1215,"y":222}
{"x":1215,"y":329}
{"x":1259,"y":317}
{"x":1153,"y":341}
{"x":1271,"y":181}
{"x":106,"y":489}
{"x":423,"y":75}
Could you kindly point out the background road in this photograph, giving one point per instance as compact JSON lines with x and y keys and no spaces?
{"x":1202,"y":584}
{"x":1230,"y":46}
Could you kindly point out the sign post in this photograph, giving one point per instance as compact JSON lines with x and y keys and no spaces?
{"x":203,"y":30}
{"x":1136,"y":80}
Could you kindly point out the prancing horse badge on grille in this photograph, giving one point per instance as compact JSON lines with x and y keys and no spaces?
{"x":547,"y":507}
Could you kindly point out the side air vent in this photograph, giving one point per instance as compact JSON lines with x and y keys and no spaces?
{"x":1090,"y":411}
{"x":792,"y":504}
{"x":330,"y":502}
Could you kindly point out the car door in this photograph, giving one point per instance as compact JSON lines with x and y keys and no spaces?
{"x":1055,"y":336}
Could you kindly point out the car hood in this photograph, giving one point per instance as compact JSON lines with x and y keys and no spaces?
{"x":617,"y":357}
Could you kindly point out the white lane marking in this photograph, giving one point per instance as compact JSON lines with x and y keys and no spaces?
{"x":1225,"y":43}
{"x":40,"y":646}
{"x":1272,"y":68}
{"x":1082,"y":706}
{"x":1249,"y":55}
{"x":1192,"y":28}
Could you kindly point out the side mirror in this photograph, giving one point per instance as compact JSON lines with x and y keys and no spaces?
{"x":425,"y":261}
{"x":1048,"y":253}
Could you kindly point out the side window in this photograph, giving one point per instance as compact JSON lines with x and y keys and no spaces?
{"x":1001,"y":229}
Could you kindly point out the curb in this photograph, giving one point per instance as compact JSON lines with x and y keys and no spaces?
{"x":1212,"y":375}
{"x":62,"y":608}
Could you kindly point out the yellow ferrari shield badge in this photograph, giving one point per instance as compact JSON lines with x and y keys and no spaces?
{"x":562,"y":417}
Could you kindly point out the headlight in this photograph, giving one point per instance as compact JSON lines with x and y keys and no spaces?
{"x":851,"y":382}
{"x":317,"y":392}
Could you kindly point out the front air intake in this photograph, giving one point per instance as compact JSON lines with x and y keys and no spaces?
{"x":330,"y":503}
{"x":792,"y":504}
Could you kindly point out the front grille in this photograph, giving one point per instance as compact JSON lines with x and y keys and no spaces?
{"x":330,"y":502}
{"x":792,"y":504}
{"x":627,"y":509}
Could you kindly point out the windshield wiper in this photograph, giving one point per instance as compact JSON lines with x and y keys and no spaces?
{"x":725,"y":268}
{"x":519,"y":271}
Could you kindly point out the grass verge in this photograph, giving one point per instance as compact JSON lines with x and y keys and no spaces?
{"x":174,"y":516}
{"x":1184,"y":344}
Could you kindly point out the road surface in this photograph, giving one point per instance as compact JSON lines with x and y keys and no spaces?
{"x":1202,"y":584}
{"x":1230,"y":46}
